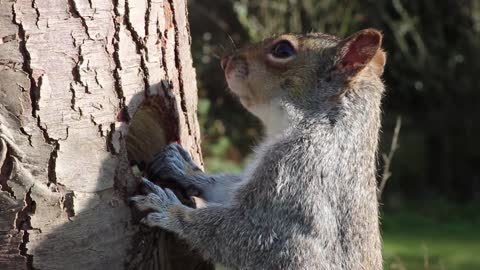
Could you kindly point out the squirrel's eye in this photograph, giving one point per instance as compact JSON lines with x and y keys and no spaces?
{"x":283,"y":49}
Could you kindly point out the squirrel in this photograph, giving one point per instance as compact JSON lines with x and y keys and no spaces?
{"x":308,"y":199}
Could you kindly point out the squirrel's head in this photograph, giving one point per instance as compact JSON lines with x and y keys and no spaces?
{"x":313,"y":66}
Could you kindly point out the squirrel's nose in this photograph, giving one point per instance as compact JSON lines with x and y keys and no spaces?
{"x":224,"y":61}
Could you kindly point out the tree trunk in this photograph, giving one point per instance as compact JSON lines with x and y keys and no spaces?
{"x":86,"y":88}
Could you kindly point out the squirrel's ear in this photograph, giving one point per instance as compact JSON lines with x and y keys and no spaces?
{"x":357,"y":51}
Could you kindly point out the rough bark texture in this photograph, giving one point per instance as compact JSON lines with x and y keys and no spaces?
{"x":73,"y":74}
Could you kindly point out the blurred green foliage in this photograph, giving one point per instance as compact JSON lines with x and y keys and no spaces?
{"x":431,"y":75}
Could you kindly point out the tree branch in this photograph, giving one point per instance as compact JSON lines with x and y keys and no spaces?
{"x":387,"y":159}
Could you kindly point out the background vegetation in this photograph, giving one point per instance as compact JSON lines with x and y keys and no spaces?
{"x":430,"y":208}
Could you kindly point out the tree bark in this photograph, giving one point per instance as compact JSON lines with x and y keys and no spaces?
{"x":86,"y":88}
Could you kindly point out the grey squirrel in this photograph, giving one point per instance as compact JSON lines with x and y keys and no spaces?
{"x":308,"y":200}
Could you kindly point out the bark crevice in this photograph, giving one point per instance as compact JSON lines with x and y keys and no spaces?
{"x":23,"y":225}
{"x":52,"y":164}
{"x":44,"y":131}
{"x":178,"y":65}
{"x":6,"y":168}
{"x":147,"y":17}
{"x":117,"y":20}
{"x":24,"y":132}
{"x":139,"y":44}
{"x":167,"y":10}
{"x":72,"y":100}
{"x":34,"y":88}
{"x":68,"y":204}
{"x":37,"y":12}
{"x":73,"y":10}
{"x":109,"y":142}
{"x":77,"y":78}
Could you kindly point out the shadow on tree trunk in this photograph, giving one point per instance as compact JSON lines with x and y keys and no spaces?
{"x":85,"y":235}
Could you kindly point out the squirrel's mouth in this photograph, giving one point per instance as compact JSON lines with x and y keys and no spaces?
{"x":240,"y":89}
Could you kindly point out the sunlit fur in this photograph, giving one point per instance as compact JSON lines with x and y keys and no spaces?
{"x":262,"y":81}
{"x":308,"y":198}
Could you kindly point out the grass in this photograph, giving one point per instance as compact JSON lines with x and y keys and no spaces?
{"x":413,"y":241}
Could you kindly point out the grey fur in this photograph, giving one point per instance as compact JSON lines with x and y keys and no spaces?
{"x":307,"y":201}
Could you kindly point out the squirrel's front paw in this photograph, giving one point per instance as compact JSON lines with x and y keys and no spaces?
{"x":158,"y":219}
{"x":173,"y":163}
{"x":159,"y":200}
